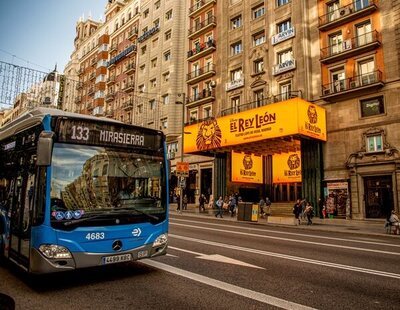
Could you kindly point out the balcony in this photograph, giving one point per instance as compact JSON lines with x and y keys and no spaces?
{"x":93,"y":62}
{"x":202,"y":27}
{"x":80,"y":71}
{"x":130,"y":68}
{"x":91,"y":91}
{"x":234,"y":84}
{"x":113,"y":47}
{"x":109,"y":113}
{"x":92,"y":76}
{"x":348,"y":48}
{"x":78,"y":99}
{"x":200,"y":74}
{"x":261,"y":102}
{"x":347,"y":13}
{"x":110,"y":96}
{"x":132,"y":34}
{"x":202,"y":97}
{"x":200,"y":5}
{"x":79,"y":86}
{"x":201,"y":50}
{"x":129,"y":87}
{"x":285,"y":66}
{"x":89,"y":105}
{"x":111,"y":80}
{"x":364,"y":83}
{"x":128,"y":105}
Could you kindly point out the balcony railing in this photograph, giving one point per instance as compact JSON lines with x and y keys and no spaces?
{"x":202,"y":4}
{"x":110,"y":96}
{"x":347,"y":48}
{"x":79,"y":86}
{"x":262,"y":102}
{"x":130,"y":67}
{"x":202,"y":27}
{"x":203,"y":95}
{"x":91,"y":91}
{"x":111,"y":79}
{"x":201,"y":49}
{"x":352,"y":11}
{"x":127,"y":105}
{"x":113,"y":47}
{"x":129,"y":87}
{"x":351,"y":84}
{"x":93,"y":61}
{"x":201,"y":73}
{"x":92,"y":76}
{"x":133,"y":33}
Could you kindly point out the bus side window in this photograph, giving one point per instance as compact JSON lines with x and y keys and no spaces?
{"x":40,"y":202}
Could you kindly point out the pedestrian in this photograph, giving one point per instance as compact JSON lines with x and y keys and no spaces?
{"x":303,"y":203}
{"x":261,"y":204}
{"x":309,"y":213}
{"x":232,"y":205}
{"x":219,"y":204}
{"x":394,"y":221}
{"x":184,"y":202}
{"x":297,"y":211}
{"x":178,"y":202}
{"x":202,"y":201}
{"x":268,"y":206}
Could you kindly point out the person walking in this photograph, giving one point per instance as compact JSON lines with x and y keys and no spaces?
{"x":202,"y":201}
{"x":232,"y":205}
{"x":219,"y":204}
{"x":178,"y":202}
{"x":394,"y":221}
{"x":268,"y":206}
{"x":261,"y":204}
{"x":297,"y":211}
{"x":184,"y":202}
{"x":309,"y":213}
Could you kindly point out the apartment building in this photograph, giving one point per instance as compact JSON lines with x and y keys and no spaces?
{"x":360,"y":87}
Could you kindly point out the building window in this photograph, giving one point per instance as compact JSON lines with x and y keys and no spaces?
{"x":285,"y":90}
{"x":258,"y":11}
{"x":153,"y":83}
{"x":258,"y":98}
{"x":164,"y":123}
{"x":361,"y":4}
{"x":154,"y":63}
{"x":165,"y":99}
{"x":259,"y":38}
{"x":152,"y":104}
{"x":282,"y":2}
{"x":284,"y":26}
{"x":142,"y":69}
{"x":374,"y":143}
{"x":167,"y":56}
{"x":366,"y":72}
{"x":235,"y":104}
{"x":155,"y":42}
{"x":157,"y":5}
{"x":335,"y":43}
{"x":236,"y":22}
{"x":236,"y":74}
{"x":207,"y":112}
{"x":193,"y":116}
{"x":168,"y":15}
{"x":333,"y":10}
{"x":285,"y":56}
{"x":156,"y":23}
{"x":168,"y":35}
{"x":364,"y":33}
{"x":372,"y":106}
{"x":166,"y":76}
{"x":140,"y":108}
{"x":236,"y":48}
{"x":258,"y":66}
{"x":338,"y":78}
{"x":144,"y":30}
{"x":146,"y":13}
{"x":143,"y":49}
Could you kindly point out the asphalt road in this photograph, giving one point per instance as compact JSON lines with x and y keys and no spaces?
{"x":228,"y":265}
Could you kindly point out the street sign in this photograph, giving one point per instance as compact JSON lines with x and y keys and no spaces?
{"x":182,"y":169}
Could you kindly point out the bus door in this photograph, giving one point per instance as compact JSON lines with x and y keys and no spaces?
{"x":21,"y":211}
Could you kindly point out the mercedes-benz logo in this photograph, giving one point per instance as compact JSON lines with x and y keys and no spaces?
{"x":117,"y":245}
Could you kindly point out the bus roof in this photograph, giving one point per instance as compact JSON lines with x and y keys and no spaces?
{"x":35,"y":116}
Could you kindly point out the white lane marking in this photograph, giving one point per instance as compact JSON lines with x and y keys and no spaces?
{"x":234,"y":289}
{"x":170,"y":255}
{"x":290,"y":240}
{"x":291,"y":234}
{"x":217,"y":258}
{"x":290,"y":257}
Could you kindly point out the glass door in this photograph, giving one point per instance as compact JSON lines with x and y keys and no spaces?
{"x":364,"y":34}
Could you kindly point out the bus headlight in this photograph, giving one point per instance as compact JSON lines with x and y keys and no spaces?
{"x":160,"y":240}
{"x":54,"y":251}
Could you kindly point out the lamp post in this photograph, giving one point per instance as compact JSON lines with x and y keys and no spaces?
{"x":182,"y":178}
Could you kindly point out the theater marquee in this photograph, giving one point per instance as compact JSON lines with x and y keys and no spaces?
{"x":286,"y":118}
{"x":246,"y":168}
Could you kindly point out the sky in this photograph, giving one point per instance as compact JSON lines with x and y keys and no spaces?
{"x":40,"y":33}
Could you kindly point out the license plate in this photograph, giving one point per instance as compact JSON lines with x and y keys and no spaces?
{"x":117,"y":259}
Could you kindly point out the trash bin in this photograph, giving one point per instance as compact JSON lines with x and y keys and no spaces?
{"x":247,"y":211}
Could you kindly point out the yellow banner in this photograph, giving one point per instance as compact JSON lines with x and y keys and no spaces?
{"x":286,"y":167}
{"x":246,"y":168}
{"x":291,"y":117}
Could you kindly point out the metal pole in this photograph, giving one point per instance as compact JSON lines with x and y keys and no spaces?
{"x":182,"y":144}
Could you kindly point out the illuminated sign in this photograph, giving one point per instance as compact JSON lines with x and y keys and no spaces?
{"x":246,"y":168}
{"x":291,"y":117}
{"x":286,"y":167}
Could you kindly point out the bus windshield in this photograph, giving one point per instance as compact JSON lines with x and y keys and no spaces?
{"x":91,"y":182}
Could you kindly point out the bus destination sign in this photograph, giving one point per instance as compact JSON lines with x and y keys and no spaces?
{"x":98,"y":133}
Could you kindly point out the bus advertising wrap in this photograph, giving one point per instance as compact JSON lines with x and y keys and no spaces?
{"x":291,"y":117}
{"x":246,"y":168}
{"x":286,"y":167}
{"x":90,"y":133}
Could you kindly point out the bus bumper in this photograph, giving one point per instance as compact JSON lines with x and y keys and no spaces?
{"x":39,"y":264}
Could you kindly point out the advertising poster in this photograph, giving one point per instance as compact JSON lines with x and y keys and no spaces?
{"x":286,"y":167}
{"x":337,"y":198}
{"x":246,"y":168}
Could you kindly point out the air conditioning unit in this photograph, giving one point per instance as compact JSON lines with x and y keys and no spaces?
{"x":344,"y":11}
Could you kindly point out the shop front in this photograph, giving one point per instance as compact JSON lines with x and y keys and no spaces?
{"x":273,"y":150}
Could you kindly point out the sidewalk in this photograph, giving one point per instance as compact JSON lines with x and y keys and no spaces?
{"x":362,"y":227}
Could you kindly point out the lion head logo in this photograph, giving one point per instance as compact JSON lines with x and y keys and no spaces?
{"x":312,"y":114}
{"x":209,"y":135}
{"x":247,"y":162}
{"x":293,"y":161}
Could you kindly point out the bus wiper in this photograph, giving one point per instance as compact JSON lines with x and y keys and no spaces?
{"x":139,"y":211}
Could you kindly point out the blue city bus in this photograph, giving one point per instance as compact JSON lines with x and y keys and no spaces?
{"x":78,"y":191}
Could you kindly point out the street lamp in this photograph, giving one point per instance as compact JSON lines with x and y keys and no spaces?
{"x":182,"y":178}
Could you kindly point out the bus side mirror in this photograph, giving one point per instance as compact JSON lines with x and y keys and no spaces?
{"x":45,"y":148}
